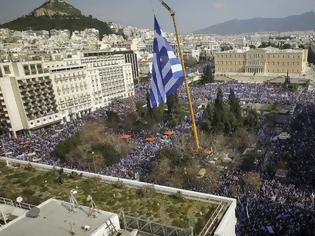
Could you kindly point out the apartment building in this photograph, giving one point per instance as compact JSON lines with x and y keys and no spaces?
{"x":267,"y":61}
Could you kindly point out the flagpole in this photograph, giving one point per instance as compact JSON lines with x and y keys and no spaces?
{"x":191,"y":109}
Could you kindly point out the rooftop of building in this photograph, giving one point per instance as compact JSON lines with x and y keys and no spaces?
{"x":57,"y":218}
{"x":160,"y":204}
{"x":267,"y":50}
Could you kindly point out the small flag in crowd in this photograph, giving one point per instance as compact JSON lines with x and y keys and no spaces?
{"x":167,"y":72}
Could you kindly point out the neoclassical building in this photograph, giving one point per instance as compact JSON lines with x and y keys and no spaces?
{"x":261,"y":61}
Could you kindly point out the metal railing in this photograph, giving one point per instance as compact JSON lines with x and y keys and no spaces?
{"x":211,"y":224}
{"x":152,"y":228}
{"x":21,"y":205}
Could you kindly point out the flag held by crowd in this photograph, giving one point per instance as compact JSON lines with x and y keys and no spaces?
{"x":167,"y":72}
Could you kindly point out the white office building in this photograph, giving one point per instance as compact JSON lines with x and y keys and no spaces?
{"x":35,"y":94}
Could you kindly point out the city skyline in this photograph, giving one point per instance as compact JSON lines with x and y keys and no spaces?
{"x":205,"y":13}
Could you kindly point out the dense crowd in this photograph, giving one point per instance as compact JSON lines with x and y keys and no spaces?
{"x":254,"y":93}
{"x":280,"y":208}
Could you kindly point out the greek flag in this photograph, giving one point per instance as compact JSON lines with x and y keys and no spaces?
{"x":167,"y":72}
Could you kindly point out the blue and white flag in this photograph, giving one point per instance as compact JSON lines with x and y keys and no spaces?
{"x":167,"y":72}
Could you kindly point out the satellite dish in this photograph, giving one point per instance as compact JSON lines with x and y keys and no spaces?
{"x":19,"y":199}
{"x":89,"y":198}
{"x":34,"y":212}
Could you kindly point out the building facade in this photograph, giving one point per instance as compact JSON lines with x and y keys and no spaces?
{"x":72,"y":88}
{"x":111,"y":77}
{"x":27,"y":95}
{"x":35,"y":94}
{"x":261,"y":61}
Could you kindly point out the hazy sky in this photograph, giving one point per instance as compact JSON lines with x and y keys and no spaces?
{"x":192,"y":14}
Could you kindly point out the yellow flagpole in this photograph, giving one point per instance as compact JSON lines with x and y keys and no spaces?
{"x":191,"y":109}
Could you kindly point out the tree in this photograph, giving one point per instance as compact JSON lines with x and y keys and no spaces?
{"x":154,"y":115}
{"x":218,"y":118}
{"x":311,"y":56}
{"x":235,"y":106}
{"x":207,"y":76}
{"x":285,"y":46}
{"x":252,"y":46}
{"x":252,"y":119}
{"x":112,"y":116}
{"x":174,"y":113}
{"x":65,"y":147}
{"x":264,"y":45}
{"x":149,"y":109}
{"x":207,"y":123}
{"x":108,"y":152}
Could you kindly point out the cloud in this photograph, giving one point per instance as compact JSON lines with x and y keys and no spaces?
{"x":219,"y":6}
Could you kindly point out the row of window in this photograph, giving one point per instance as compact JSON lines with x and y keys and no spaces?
{"x":33,"y":69}
{"x":257,"y":63}
{"x":237,"y":55}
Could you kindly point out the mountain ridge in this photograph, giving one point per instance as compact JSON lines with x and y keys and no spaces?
{"x":305,"y":21}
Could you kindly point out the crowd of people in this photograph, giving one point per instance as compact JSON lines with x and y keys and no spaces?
{"x":280,"y":208}
{"x":254,"y":93}
{"x":283,"y":205}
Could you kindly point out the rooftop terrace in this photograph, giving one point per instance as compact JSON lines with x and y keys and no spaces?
{"x":147,"y":203}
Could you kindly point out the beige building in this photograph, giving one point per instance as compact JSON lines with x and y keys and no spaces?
{"x":265,"y":61}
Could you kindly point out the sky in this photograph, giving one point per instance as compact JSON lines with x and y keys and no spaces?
{"x":191,"y":14}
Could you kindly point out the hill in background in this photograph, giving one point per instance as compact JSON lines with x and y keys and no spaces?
{"x":57,"y":14}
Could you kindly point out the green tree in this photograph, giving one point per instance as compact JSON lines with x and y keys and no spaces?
{"x":65,"y":147}
{"x":219,"y":116}
{"x":252,"y":119}
{"x":207,"y":123}
{"x":154,"y":115}
{"x":235,"y":106}
{"x":264,"y":45}
{"x":175,"y":113}
{"x":207,"y":76}
{"x":112,"y":117}
{"x":149,"y":109}
{"x":108,"y":152}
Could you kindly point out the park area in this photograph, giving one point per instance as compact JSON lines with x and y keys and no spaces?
{"x":37,"y":186}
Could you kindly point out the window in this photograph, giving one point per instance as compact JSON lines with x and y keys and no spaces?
{"x":26,"y":70}
{"x":6,"y":70}
{"x":39,"y":68}
{"x":33,"y":69}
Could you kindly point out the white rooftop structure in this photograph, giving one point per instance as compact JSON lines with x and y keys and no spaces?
{"x":59,"y":218}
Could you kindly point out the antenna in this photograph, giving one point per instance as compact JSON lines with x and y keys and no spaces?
{"x":73,"y":201}
{"x":92,"y":211}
